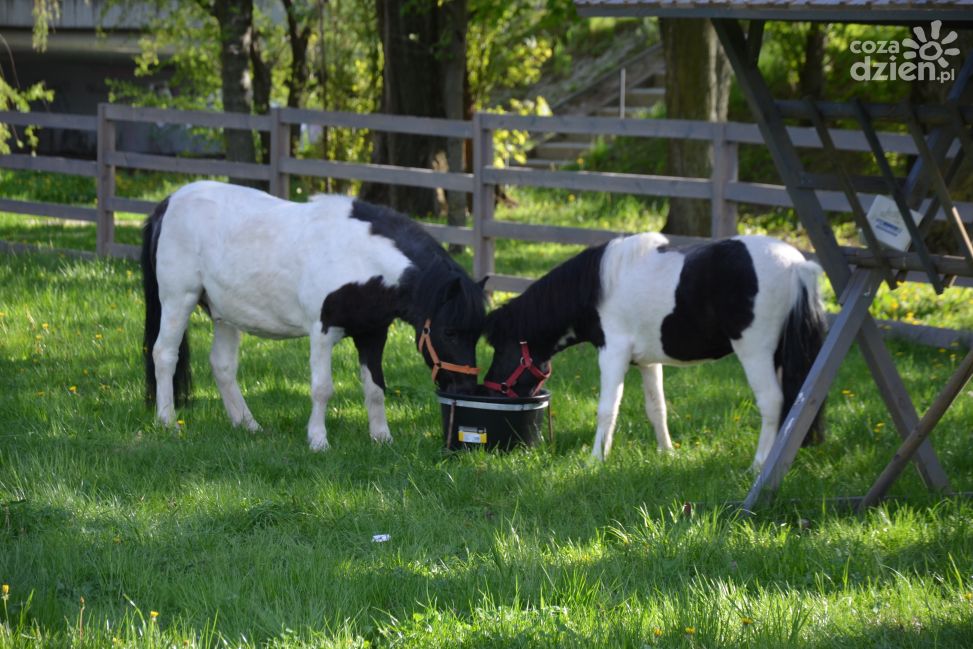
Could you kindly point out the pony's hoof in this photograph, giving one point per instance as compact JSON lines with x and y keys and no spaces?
{"x":318,"y":444}
{"x":382,"y":437}
{"x":253,"y":426}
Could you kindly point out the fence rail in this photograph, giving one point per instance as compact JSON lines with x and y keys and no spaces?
{"x":723,"y":188}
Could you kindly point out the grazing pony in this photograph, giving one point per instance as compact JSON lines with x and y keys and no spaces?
{"x":642,"y":302}
{"x":329,"y":268}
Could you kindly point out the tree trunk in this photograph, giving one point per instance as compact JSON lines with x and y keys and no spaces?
{"x":454,"y":101}
{"x":697,"y":87}
{"x":298,"y":38}
{"x":235,"y":18}
{"x":412,"y":85}
{"x":811,"y":77}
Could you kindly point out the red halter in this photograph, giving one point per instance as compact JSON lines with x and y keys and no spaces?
{"x":436,"y":363}
{"x":526,"y":364}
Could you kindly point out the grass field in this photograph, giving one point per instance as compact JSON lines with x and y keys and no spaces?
{"x":117,"y":532}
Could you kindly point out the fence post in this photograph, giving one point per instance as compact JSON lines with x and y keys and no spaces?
{"x":105,"y":222}
{"x":723,"y":212}
{"x":484,"y":262}
{"x":280,"y":150}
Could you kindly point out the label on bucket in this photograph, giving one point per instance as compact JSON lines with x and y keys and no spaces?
{"x":471,"y":435}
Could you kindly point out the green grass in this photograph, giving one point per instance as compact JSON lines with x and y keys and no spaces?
{"x":251,"y":540}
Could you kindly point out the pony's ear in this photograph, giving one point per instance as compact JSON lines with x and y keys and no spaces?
{"x":453,"y":288}
{"x":483,"y":282}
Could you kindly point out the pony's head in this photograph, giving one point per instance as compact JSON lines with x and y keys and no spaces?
{"x":514,"y":371}
{"x":452,"y":316}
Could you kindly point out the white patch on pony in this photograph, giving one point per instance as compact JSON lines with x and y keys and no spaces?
{"x":378,"y":425}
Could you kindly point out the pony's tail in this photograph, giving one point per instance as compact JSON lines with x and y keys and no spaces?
{"x":800,"y":343}
{"x":153,"y":314}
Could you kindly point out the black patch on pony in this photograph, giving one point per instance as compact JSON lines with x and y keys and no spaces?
{"x":182,"y":379}
{"x":566,"y":298}
{"x":435,"y":282}
{"x":714,"y":301}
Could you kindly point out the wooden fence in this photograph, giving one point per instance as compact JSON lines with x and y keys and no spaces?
{"x":723,"y":188}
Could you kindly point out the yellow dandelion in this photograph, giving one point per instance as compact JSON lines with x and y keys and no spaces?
{"x":38,"y":337}
{"x":45,"y":326}
{"x":657,"y":632}
{"x":153,"y":615}
{"x":98,"y":336}
{"x":676,"y":445}
{"x":85,"y":372}
{"x":5,"y":589}
{"x":40,"y":393}
{"x":690,"y":630}
{"x":3,"y":314}
{"x":746,"y":621}
{"x":73,"y":389}
{"x":967,"y":596}
{"x":180,"y":422}
{"x":941,"y":350}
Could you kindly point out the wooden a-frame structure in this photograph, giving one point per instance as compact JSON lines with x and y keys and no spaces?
{"x":942,"y":134}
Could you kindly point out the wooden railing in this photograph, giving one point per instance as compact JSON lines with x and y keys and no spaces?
{"x":723,"y":188}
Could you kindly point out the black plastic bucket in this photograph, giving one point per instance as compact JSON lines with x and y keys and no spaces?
{"x":493,"y":423}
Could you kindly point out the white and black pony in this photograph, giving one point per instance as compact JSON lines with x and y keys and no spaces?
{"x":329,"y":268}
{"x":642,"y":302}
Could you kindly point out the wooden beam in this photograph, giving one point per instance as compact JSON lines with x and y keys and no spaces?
{"x":924,"y":428}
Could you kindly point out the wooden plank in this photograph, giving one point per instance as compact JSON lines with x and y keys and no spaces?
{"x":380,"y":122}
{"x":548,"y":233}
{"x":601,"y":182}
{"x":944,"y":264}
{"x":202,"y":167}
{"x":666,"y":128}
{"x":922,"y":431}
{"x":135,"y":206}
{"x":242,"y":121}
{"x":105,"y":225}
{"x":50,"y":120}
{"x":832,"y":201}
{"x":807,"y":137}
{"x":449,"y":233}
{"x":484,"y":198}
{"x":723,"y":212}
{"x":392,"y":175}
{"x":54,"y":210}
{"x":280,"y":151}
{"x":52,"y":164}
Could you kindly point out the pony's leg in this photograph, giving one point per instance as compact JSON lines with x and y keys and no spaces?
{"x":655,"y":404}
{"x":223,"y":360}
{"x":322,"y":387}
{"x":758,"y":364}
{"x":612,"y":363}
{"x":370,"y":348}
{"x":165,"y":352}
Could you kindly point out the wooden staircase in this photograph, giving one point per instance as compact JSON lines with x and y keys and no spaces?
{"x":644,"y":89}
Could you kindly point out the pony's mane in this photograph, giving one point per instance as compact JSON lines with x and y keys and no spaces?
{"x":444,"y":287}
{"x":553,"y":303}
{"x":435,"y":279}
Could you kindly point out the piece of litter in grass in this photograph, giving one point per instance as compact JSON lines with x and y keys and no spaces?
{"x":381,"y":538}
